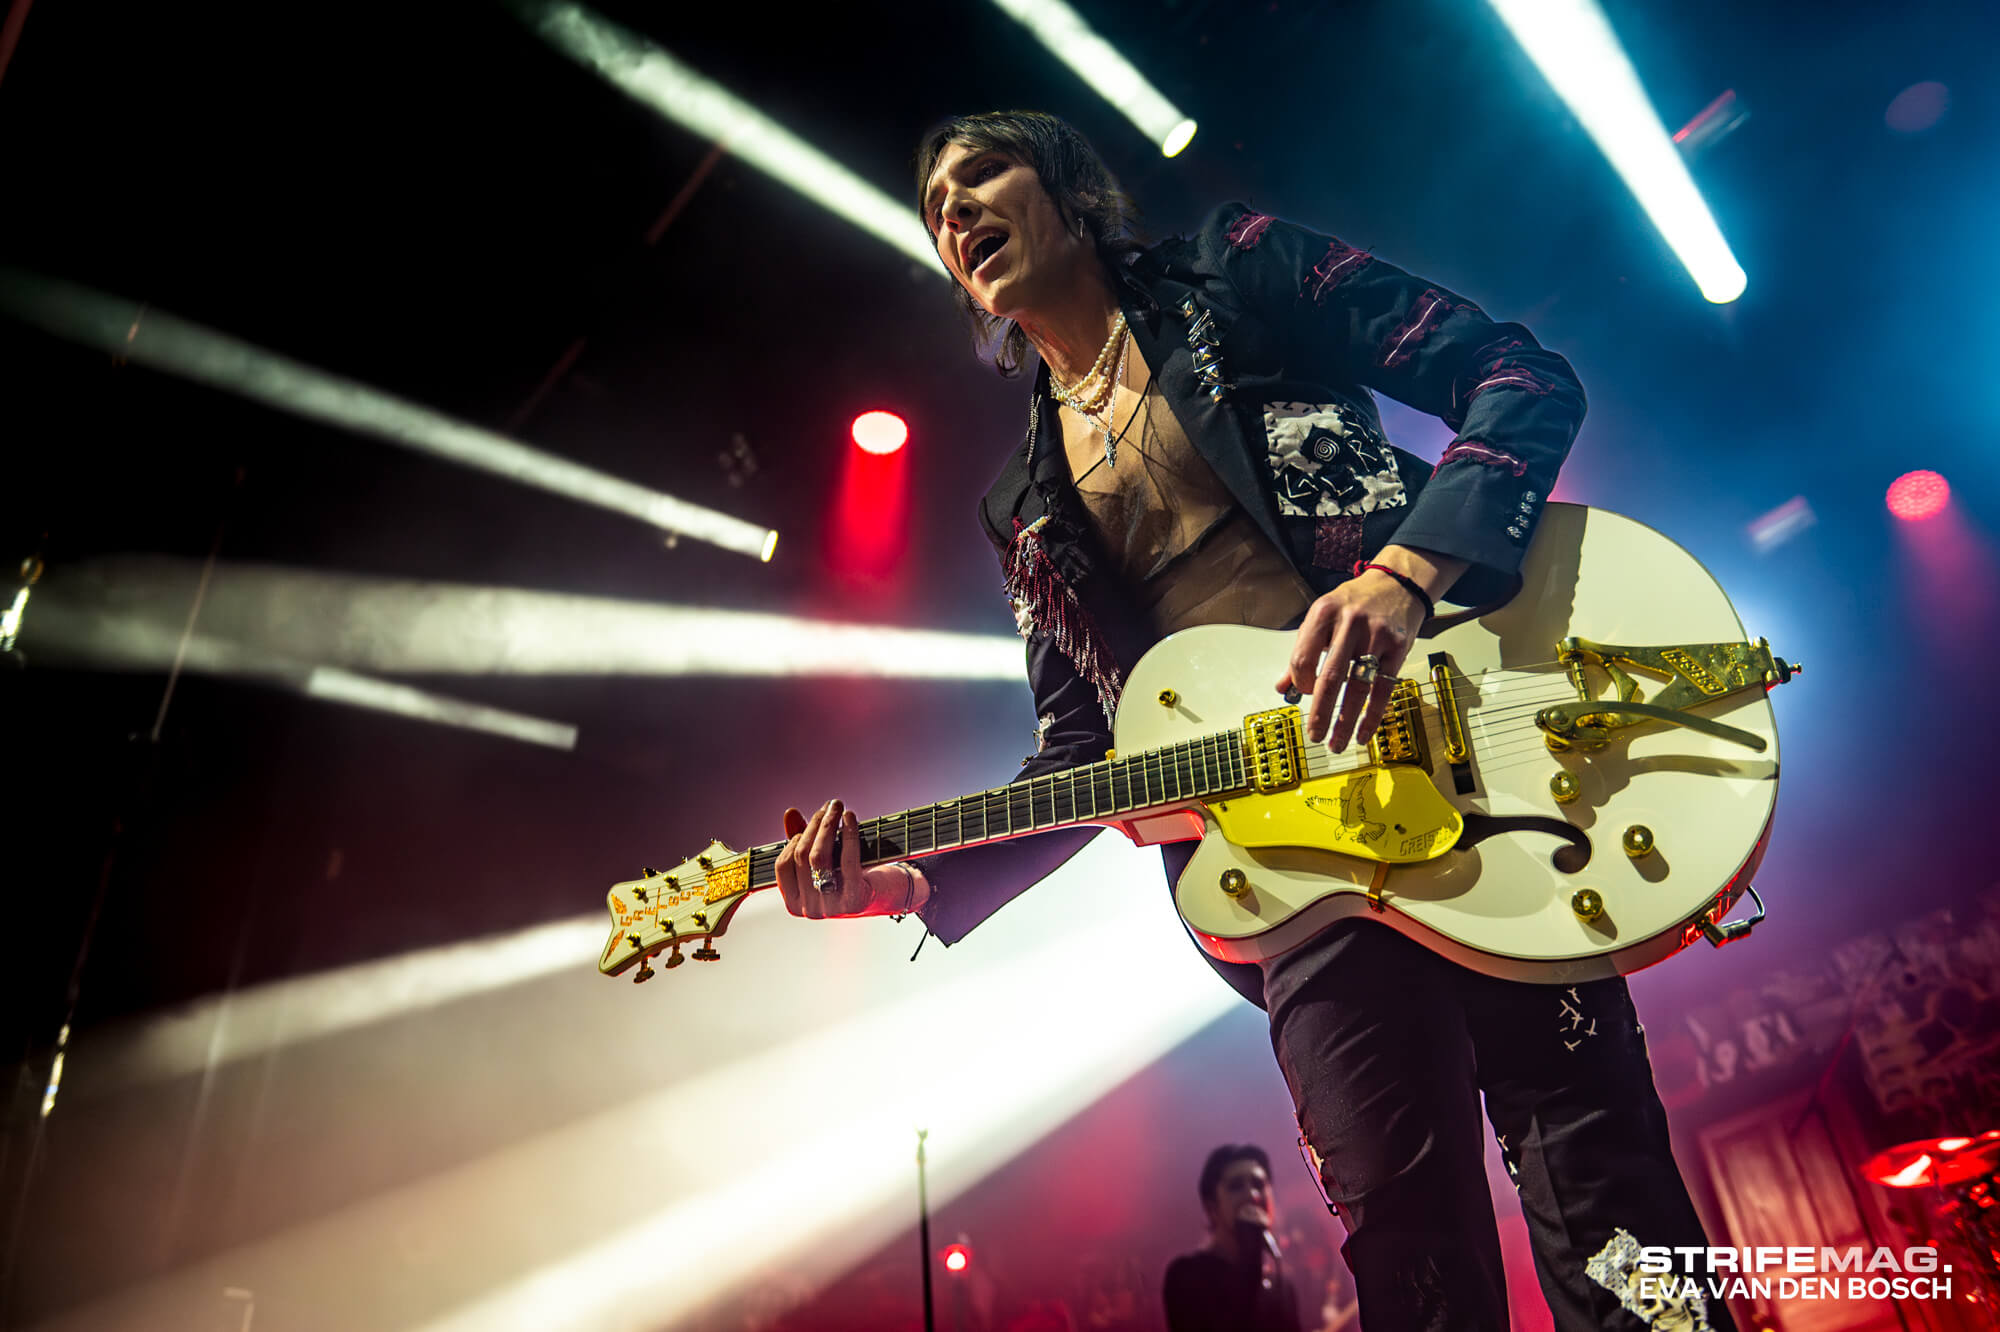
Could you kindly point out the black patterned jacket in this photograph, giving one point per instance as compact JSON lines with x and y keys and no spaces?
{"x":1266,"y":340}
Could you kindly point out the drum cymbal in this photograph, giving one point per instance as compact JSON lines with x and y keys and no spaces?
{"x":1934,"y":1161}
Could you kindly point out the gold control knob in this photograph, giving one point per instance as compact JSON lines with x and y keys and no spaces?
{"x":1638,"y":841}
{"x":1234,"y":882}
{"x":1587,"y":904}
{"x":1565,"y":787}
{"x":1168,"y":698}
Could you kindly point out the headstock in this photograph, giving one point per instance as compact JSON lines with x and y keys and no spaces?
{"x":691,"y":903}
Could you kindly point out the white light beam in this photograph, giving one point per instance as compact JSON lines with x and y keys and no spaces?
{"x":153,"y":337}
{"x":1109,"y":74}
{"x":649,"y":75}
{"x":1572,"y":43}
{"x":266,"y":621}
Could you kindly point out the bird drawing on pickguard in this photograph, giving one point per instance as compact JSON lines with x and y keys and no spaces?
{"x":1349,"y":810}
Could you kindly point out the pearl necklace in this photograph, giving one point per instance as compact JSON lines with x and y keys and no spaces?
{"x":1092,"y":391}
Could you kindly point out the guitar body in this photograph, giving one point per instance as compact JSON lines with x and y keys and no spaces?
{"x":1500,"y":900}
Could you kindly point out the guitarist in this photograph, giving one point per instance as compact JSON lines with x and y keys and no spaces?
{"x":1203,"y":447}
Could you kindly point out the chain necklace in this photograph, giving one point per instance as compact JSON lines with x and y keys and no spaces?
{"x":1111,"y":410}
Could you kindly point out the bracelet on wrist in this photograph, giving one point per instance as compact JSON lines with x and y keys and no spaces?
{"x":909,"y":893}
{"x":1410,"y":585}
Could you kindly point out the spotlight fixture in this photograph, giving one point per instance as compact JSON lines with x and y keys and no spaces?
{"x":1915,"y":496}
{"x":880,"y":432}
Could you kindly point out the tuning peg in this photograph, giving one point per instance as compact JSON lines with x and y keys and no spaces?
{"x":646,"y":872}
{"x":637,"y":942}
{"x":645,"y":972}
{"x":639,"y":893}
{"x":707,"y":953}
{"x":700,"y":921}
{"x":705,"y":862}
{"x":674,"y":958}
{"x":668,"y":926}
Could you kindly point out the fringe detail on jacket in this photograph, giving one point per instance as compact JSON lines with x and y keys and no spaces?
{"x":1044,"y":603}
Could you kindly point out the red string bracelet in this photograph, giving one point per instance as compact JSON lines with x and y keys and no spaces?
{"x":1410,"y":585}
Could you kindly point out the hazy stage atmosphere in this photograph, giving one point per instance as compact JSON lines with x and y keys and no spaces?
{"x":441,"y":481}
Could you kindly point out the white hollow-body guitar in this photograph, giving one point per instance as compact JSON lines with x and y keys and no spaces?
{"x":1573,"y":786}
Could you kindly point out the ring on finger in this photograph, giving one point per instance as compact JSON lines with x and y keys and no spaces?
{"x":826,"y":880}
{"x":1365,"y":668}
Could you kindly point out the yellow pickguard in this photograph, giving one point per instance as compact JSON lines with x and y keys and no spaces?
{"x":1389,"y":814}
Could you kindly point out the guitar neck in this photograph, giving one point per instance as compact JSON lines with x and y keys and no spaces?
{"x":1090,"y":793}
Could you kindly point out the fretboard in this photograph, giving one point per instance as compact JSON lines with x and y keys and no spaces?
{"x":1090,"y":793}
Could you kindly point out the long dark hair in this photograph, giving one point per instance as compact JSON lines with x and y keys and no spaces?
{"x":1075,"y":177}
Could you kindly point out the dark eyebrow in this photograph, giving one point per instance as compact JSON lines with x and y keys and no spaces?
{"x":964,"y":163}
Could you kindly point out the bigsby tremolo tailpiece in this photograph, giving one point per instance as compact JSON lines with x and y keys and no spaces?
{"x":1695,"y":673}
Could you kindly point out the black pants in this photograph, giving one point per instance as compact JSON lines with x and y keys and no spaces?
{"x":1387,"y":1047}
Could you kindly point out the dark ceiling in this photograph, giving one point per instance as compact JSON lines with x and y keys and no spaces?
{"x":427,"y":199}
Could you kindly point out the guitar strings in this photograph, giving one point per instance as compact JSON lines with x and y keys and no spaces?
{"x":1493,"y":727}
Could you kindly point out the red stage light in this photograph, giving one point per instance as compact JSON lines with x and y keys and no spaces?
{"x":880,"y":432}
{"x":1918,"y":495}
{"x":957,"y":1257}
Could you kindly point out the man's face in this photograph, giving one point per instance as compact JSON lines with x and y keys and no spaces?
{"x":1243,"y":1194}
{"x":999,"y":233}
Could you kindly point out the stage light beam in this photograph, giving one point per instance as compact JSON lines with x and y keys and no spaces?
{"x":152,"y":337}
{"x":1110,"y":75}
{"x":1572,"y":44}
{"x":277,"y":623}
{"x":338,"y":686}
{"x":648,"y":74}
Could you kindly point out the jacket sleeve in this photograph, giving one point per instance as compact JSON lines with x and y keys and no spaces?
{"x":1514,"y":404}
{"x":970,"y":885}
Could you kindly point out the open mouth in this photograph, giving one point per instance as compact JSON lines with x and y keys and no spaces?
{"x":985,"y":248}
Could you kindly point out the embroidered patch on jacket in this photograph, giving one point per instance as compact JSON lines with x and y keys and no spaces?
{"x":1248,"y":229}
{"x":1326,"y":462}
{"x":1432,"y":308}
{"x":1341,"y":262}
{"x":1663,"y":1302}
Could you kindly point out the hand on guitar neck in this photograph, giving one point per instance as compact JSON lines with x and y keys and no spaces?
{"x":829,"y":841}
